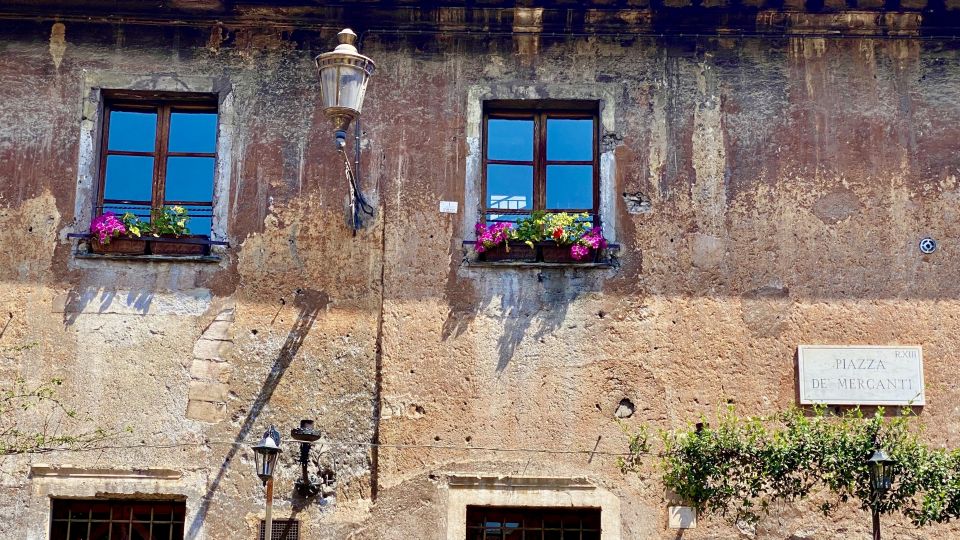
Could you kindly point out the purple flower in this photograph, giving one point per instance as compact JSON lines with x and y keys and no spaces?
{"x":491,"y":235}
{"x":579,"y":252}
{"x":107,"y":226}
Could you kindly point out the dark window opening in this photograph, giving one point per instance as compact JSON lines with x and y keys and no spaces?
{"x":116,"y":520}
{"x":540,"y":158}
{"x":288,"y":529}
{"x":159,"y":152}
{"x":523,"y":523}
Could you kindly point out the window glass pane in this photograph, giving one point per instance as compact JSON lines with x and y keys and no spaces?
{"x":193,"y":132}
{"x":189,"y":179}
{"x":510,"y":187}
{"x":569,"y":140}
{"x":142,"y":512}
{"x":120,"y":530}
{"x":510,"y":139}
{"x":58,"y":531}
{"x":200,"y":220}
{"x":161,"y":531}
{"x":506,"y":218}
{"x":99,"y":530}
{"x":142,"y":211}
{"x":569,"y":187}
{"x":132,"y":131}
{"x":129,"y":178}
{"x":350,"y":87}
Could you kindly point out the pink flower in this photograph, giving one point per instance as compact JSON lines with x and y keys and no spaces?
{"x":107,"y":226}
{"x":491,"y":235}
{"x":579,"y":252}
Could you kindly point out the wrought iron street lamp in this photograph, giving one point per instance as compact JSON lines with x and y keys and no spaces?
{"x":344,"y":74}
{"x":343,"y":82}
{"x":306,"y":485}
{"x":881,"y":478}
{"x":265,"y":455}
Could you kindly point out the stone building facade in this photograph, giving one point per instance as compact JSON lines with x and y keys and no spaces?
{"x":765,"y":169}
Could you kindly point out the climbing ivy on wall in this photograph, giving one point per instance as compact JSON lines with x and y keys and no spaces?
{"x":738,"y":467}
{"x":34,"y":420}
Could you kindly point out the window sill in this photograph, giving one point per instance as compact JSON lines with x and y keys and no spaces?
{"x":149,"y":258}
{"x":540,"y":265}
{"x":607,"y":259}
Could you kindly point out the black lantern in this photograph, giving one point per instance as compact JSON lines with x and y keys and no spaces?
{"x":265,"y":454}
{"x":306,"y":435}
{"x":881,"y":471}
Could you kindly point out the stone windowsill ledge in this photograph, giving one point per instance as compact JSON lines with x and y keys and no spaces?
{"x":148,"y":258}
{"x":606,"y":261}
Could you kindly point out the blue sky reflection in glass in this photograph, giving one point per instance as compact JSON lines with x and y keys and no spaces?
{"x":193,"y":132}
{"x":189,"y":179}
{"x":129,"y":178}
{"x":510,"y":139}
{"x":569,"y":139}
{"x":569,"y":187}
{"x":510,"y":187}
{"x":132,"y":131}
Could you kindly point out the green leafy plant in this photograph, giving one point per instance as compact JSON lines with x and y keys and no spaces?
{"x":530,"y":230}
{"x":133,"y":224}
{"x":564,"y":228}
{"x":169,"y":220}
{"x":53,"y":425}
{"x":738,"y":467}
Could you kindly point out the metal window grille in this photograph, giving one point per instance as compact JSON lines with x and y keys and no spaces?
{"x":288,"y":529}
{"x":522,"y":523}
{"x":117,"y":519}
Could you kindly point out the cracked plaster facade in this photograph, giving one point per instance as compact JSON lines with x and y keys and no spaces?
{"x":766,"y":191}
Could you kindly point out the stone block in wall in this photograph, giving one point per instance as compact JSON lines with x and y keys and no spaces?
{"x":206,"y":411}
{"x":208,"y":391}
{"x":211,"y":348}
{"x":211,"y":370}
{"x":219,"y":331}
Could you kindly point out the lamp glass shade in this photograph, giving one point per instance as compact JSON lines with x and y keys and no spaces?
{"x":881,"y":470}
{"x":344,"y":73}
{"x":265,"y":454}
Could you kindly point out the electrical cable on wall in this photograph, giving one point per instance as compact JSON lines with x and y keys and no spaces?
{"x":358,"y":203}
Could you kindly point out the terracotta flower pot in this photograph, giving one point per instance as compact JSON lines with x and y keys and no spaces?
{"x":119,"y":246}
{"x":518,"y":252}
{"x":177,"y":248}
{"x":562,"y":254}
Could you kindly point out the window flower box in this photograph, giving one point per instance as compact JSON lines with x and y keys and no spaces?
{"x":514,"y":251}
{"x":553,"y":253}
{"x":119,"y":246}
{"x":172,"y":247}
{"x":557,"y":237}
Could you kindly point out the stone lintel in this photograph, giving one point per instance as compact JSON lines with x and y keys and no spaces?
{"x":42,"y":470}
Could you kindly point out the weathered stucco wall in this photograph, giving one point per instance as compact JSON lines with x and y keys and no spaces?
{"x":768,"y":192}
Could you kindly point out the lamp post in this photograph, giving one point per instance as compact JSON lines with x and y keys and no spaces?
{"x":265,"y":455}
{"x":881,"y":478}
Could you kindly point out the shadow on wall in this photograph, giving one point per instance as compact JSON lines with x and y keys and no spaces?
{"x":78,"y":301}
{"x":309,"y":303}
{"x":524,"y":299}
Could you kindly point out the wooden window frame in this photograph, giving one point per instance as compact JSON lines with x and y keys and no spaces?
{"x":163,"y":104}
{"x":539,"y":112}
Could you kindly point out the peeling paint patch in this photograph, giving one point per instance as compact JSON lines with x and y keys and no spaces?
{"x":836,"y":206}
{"x":58,"y":43}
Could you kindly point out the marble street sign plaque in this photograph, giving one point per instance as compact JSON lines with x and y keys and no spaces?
{"x":861,"y":374}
